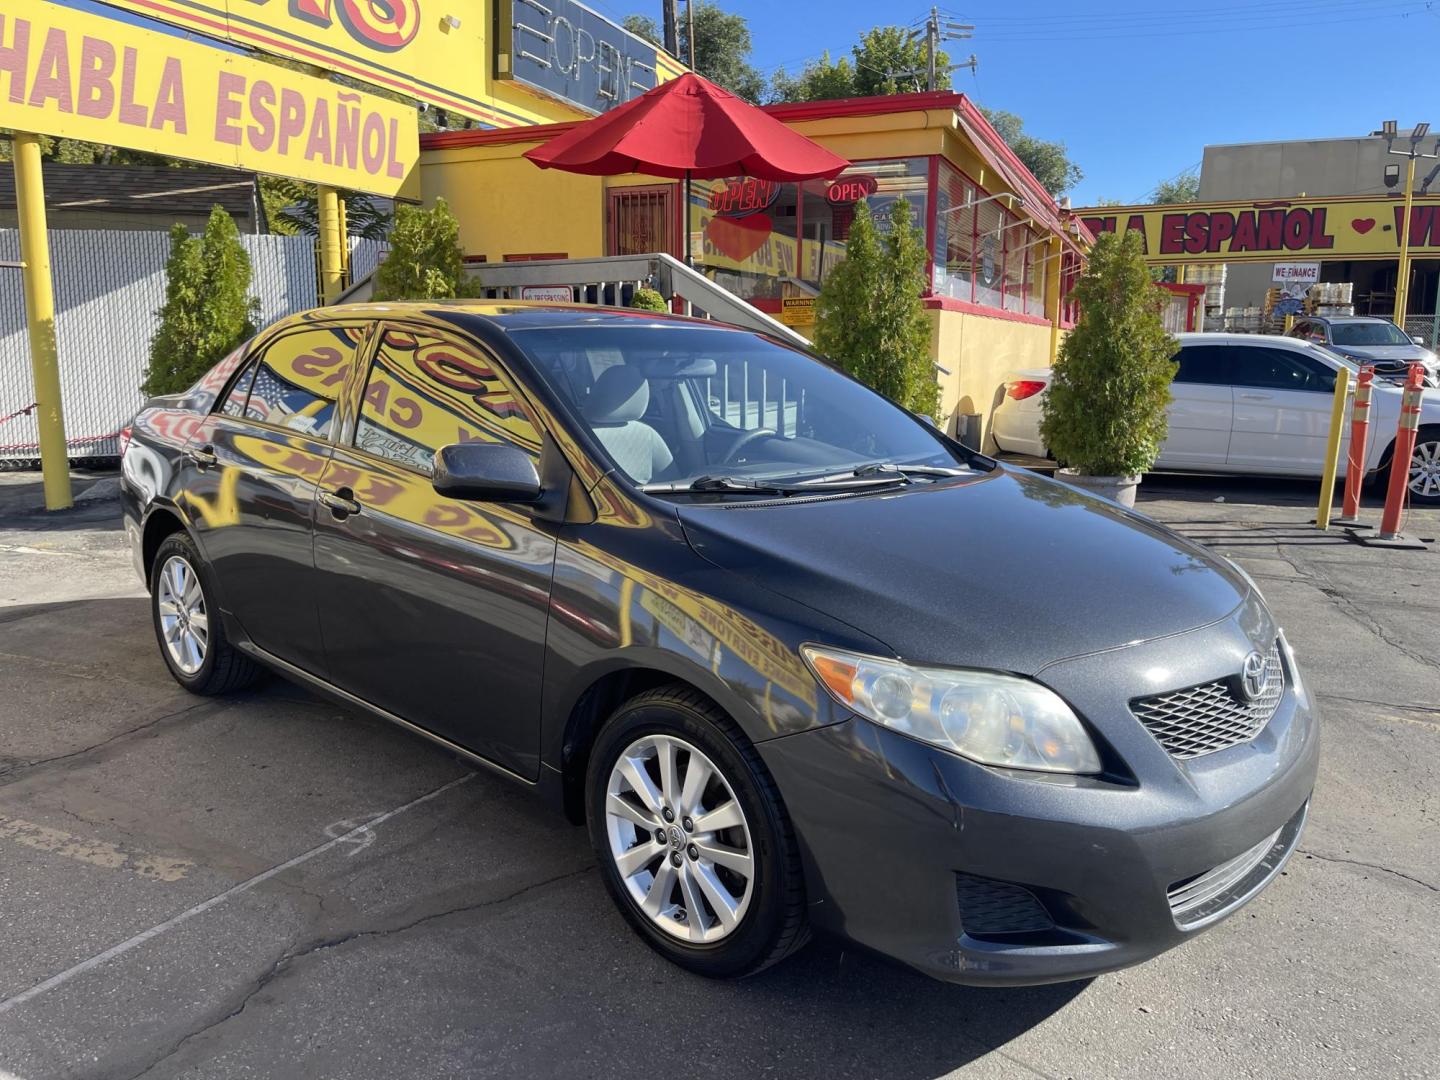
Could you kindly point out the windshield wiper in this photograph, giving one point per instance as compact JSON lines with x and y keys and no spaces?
{"x":705,"y":484}
{"x":885,"y":471}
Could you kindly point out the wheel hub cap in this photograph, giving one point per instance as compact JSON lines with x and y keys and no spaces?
{"x":184,"y":621}
{"x":1425,"y":469}
{"x":693,"y":883}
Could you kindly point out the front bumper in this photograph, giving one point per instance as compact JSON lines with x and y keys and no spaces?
{"x":898,"y":836}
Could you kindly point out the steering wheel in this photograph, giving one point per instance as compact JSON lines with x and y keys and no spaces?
{"x":744,"y":441}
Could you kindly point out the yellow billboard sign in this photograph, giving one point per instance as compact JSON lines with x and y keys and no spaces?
{"x":1277,"y":230}
{"x":401,"y":45}
{"x":76,"y":75}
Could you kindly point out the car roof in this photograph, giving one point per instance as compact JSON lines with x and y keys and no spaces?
{"x":1242,"y":339}
{"x":504,"y":314}
{"x":1349,"y":318}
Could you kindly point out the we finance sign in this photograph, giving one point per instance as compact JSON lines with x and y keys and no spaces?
{"x":76,"y":75}
{"x":1276,"y":230}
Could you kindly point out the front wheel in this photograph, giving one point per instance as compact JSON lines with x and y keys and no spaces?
{"x":187,"y":625}
{"x":693,"y":840}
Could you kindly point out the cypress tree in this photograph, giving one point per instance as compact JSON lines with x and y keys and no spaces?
{"x":208,"y":308}
{"x":424,"y":261}
{"x":869,"y":316}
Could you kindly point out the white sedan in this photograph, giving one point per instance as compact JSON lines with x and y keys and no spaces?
{"x":1248,"y":403}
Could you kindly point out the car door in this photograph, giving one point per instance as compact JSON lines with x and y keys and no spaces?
{"x":1283,"y":399}
{"x":1201,"y":410}
{"x":433,"y":608}
{"x":253,"y":469}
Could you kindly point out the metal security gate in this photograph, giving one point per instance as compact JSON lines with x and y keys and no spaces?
{"x":641,"y":220}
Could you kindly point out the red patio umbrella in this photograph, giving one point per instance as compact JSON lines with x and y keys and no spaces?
{"x":688,"y":127}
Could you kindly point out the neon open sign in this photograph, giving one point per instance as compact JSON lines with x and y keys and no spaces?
{"x":850,"y":189}
{"x":743,"y":195}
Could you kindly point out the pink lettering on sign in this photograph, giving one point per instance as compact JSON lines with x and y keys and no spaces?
{"x":170,"y":98}
{"x":15,"y":56}
{"x":130,"y":112}
{"x":228,"y":88}
{"x":52,"y":75}
{"x":95,"y":93}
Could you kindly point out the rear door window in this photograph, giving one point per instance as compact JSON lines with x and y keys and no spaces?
{"x":1207,"y":364}
{"x":425,"y":391}
{"x":297,"y":379}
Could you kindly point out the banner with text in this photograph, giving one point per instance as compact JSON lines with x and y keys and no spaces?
{"x":1357,"y":227}
{"x":76,"y":75}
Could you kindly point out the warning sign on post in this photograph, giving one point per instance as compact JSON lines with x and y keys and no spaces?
{"x":798,"y":311}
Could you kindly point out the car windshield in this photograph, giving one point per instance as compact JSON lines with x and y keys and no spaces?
{"x":1367,"y":333}
{"x":675,"y":405}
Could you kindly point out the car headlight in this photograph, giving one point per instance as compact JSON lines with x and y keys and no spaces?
{"x":991,"y":718}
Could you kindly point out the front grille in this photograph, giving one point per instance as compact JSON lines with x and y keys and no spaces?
{"x":997,"y":907}
{"x":1206,"y":897}
{"x":1203,"y":719}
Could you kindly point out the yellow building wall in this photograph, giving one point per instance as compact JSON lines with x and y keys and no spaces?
{"x":977,"y":351}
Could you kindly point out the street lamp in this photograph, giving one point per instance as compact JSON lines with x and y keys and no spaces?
{"x":1402,"y":277}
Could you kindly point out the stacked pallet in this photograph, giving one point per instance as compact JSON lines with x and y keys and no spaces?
{"x":1212,"y":276}
{"x":1330,"y":298}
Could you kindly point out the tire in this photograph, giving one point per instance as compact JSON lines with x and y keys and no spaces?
{"x":768,"y":921}
{"x":197,"y":652}
{"x":1424,"y":478}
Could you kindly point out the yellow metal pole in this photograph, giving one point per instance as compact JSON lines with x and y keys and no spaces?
{"x":1402,"y":279}
{"x":1332,"y":449}
{"x":40,"y":317}
{"x":331,"y":269}
{"x":1289,"y":323}
{"x":344,"y":242}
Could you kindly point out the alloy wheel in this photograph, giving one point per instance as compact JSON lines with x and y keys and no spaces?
{"x":184,"y":621}
{"x":679,"y":839}
{"x":1425,"y":469}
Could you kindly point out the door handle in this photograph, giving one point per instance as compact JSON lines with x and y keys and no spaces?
{"x":203,"y":457}
{"x":1256,"y":397}
{"x":340,"y":502}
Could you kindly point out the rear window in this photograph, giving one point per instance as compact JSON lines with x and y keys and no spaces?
{"x":1203,"y":364}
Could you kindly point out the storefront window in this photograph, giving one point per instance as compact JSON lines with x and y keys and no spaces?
{"x":954,"y":254}
{"x":744,"y":234}
{"x":1013,"y":240}
{"x":1040,"y":264}
{"x":829,"y":207}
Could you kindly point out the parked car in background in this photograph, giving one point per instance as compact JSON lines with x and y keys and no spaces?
{"x":1369,"y":340}
{"x":700,"y":590}
{"x":1248,"y":403}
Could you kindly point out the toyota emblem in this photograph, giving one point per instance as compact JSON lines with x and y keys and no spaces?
{"x":1252,"y":677}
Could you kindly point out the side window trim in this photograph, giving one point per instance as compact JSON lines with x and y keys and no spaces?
{"x":245,"y":369}
{"x":371,"y":354}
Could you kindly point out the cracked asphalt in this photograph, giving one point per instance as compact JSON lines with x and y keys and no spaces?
{"x":269,"y":886}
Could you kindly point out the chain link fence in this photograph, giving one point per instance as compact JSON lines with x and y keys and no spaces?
{"x":109,"y":285}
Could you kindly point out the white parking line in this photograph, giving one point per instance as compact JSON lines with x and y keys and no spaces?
{"x":184,"y":916}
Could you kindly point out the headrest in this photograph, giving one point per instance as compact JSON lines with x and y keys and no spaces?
{"x":621,"y":394}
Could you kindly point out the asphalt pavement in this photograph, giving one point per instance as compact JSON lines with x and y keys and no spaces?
{"x":269,"y":886}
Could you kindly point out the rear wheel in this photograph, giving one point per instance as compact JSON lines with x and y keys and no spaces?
{"x":188,"y":628}
{"x":693,"y":841}
{"x":1424,"y":475}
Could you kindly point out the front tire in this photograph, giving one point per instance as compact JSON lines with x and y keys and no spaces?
{"x":188,"y":626}
{"x":692,"y":838}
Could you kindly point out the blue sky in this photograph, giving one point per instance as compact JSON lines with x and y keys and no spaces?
{"x":1137,"y":91}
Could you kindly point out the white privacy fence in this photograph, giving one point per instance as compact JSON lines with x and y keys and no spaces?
{"x":108,"y":287}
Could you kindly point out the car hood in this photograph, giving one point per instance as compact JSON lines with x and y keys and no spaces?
{"x":1390,"y":353}
{"x":1010,"y":572}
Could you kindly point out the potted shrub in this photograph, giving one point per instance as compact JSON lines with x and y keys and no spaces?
{"x":1104,"y":416}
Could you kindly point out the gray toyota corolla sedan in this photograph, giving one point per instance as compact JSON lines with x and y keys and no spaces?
{"x":797,"y":660}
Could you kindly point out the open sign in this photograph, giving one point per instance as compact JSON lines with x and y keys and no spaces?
{"x":849,"y":189}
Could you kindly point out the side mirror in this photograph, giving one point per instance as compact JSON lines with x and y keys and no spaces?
{"x":1417,"y":339}
{"x":486,"y":472}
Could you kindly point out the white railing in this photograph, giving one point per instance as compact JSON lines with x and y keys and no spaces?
{"x":612,"y":280}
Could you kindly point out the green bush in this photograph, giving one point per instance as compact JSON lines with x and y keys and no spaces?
{"x":208,"y":307}
{"x":869,"y":316}
{"x":424,"y":261}
{"x":1104,"y":414}
{"x":649,"y":300}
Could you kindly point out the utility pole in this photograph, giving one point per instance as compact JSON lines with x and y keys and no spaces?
{"x":690,"y":29}
{"x":935,"y":33}
{"x":932,"y":44}
{"x":1402,"y":277}
{"x":672,"y":32}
